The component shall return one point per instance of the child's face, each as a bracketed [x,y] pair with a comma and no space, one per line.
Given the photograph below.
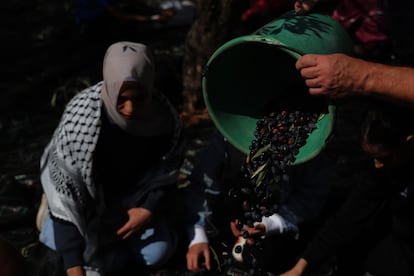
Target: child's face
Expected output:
[383,158]
[132,100]
[387,158]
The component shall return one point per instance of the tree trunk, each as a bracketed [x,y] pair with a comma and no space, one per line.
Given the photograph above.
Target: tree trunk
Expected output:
[216,22]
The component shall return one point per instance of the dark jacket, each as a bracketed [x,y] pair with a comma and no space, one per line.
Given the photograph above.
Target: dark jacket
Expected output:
[377,207]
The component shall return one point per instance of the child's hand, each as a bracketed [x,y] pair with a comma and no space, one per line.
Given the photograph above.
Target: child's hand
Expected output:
[193,257]
[138,217]
[258,230]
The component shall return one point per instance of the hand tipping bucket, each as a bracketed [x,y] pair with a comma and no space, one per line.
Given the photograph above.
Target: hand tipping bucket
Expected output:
[247,75]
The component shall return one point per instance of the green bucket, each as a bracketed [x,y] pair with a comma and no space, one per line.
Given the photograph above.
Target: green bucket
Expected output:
[247,75]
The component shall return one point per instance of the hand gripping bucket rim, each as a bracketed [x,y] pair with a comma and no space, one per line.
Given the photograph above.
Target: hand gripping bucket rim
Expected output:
[235,104]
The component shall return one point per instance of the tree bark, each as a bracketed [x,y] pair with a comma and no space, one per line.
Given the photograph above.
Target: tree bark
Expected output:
[216,22]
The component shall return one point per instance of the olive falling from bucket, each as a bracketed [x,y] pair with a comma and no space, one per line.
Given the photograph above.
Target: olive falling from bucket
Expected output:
[250,76]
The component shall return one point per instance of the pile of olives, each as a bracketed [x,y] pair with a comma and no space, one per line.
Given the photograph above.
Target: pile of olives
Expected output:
[278,138]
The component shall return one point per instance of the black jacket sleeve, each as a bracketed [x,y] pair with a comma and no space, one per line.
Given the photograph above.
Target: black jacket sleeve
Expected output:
[352,219]
[69,243]
[153,199]
[309,187]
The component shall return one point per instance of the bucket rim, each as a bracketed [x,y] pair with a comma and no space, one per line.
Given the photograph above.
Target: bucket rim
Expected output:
[329,116]
[295,53]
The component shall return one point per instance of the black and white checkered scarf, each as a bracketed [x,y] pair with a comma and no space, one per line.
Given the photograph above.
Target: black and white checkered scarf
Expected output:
[67,162]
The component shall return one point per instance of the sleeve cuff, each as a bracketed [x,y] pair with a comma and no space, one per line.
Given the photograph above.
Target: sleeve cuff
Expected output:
[72,258]
[152,200]
[274,224]
[199,236]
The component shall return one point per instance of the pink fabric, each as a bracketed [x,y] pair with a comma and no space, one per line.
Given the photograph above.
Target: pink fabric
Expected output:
[271,6]
[365,19]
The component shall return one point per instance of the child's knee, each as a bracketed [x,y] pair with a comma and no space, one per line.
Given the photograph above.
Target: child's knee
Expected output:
[157,253]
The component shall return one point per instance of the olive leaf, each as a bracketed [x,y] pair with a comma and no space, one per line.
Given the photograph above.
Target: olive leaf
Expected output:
[53,100]
[216,258]
[321,117]
[183,185]
[260,178]
[260,151]
[259,169]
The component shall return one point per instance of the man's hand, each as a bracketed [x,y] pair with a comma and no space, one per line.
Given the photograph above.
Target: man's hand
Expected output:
[298,269]
[138,217]
[193,257]
[333,75]
[304,6]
